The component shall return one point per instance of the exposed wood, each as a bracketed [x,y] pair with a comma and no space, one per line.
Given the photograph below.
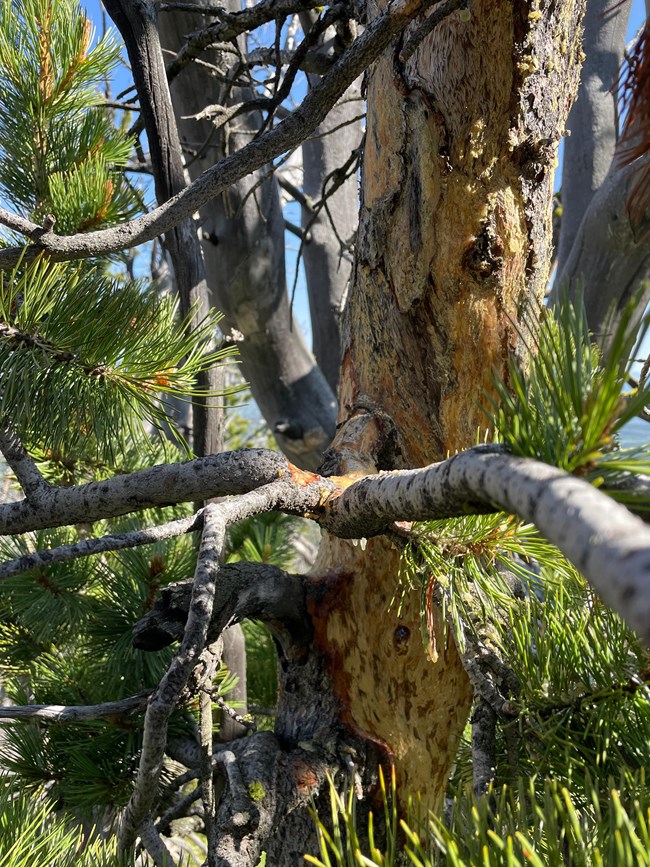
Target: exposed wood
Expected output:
[453,246]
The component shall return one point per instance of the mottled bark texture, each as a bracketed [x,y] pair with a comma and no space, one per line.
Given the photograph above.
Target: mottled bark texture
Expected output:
[453,247]
[243,245]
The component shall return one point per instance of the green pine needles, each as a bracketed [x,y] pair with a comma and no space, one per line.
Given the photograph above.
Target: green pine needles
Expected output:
[85,357]
[566,680]
[529,825]
[568,405]
[60,152]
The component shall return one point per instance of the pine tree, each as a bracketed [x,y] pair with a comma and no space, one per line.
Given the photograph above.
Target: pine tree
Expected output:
[551,769]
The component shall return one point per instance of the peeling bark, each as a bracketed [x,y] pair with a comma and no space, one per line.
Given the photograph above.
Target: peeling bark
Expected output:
[453,246]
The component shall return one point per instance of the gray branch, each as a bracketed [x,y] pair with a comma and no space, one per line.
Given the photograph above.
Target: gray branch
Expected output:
[202,478]
[137,814]
[593,120]
[23,467]
[607,544]
[89,547]
[243,235]
[77,713]
[284,137]
[605,541]
[610,258]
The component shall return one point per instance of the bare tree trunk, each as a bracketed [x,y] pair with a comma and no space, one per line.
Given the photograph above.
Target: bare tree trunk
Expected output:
[593,121]
[328,254]
[136,22]
[602,254]
[453,246]
[243,235]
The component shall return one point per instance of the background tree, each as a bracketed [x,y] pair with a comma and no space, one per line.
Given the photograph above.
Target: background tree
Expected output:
[451,260]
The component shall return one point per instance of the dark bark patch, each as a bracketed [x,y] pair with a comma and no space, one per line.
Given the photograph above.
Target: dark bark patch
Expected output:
[484,257]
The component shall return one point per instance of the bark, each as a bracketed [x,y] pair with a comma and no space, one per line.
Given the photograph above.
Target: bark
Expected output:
[593,121]
[136,23]
[609,263]
[243,243]
[453,245]
[203,478]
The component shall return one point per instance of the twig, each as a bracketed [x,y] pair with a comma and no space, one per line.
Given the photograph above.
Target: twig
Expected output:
[75,713]
[89,547]
[304,236]
[180,807]
[232,713]
[122,106]
[295,193]
[217,517]
[23,467]
[231,25]
[164,701]
[210,657]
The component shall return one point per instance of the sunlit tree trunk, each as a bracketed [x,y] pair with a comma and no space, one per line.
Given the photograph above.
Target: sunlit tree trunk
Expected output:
[453,250]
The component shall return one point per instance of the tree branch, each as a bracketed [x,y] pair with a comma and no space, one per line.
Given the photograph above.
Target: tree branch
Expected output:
[217,517]
[202,478]
[76,713]
[139,809]
[603,539]
[605,542]
[23,467]
[231,25]
[89,547]
[285,136]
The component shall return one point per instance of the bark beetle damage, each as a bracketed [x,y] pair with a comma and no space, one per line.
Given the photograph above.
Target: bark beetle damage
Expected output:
[453,244]
[389,691]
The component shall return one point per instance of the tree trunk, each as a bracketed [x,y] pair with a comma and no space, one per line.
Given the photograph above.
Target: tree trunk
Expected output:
[327,261]
[593,122]
[453,249]
[243,247]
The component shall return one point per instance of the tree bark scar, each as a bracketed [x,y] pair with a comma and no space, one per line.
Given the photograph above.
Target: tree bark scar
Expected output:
[302,477]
